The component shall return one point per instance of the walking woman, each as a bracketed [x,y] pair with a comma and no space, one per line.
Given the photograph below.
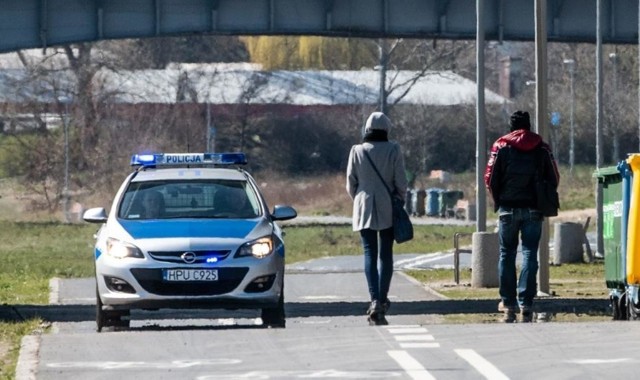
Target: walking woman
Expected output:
[372,215]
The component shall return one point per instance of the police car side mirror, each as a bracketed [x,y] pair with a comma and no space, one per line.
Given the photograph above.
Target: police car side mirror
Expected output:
[281,212]
[95,215]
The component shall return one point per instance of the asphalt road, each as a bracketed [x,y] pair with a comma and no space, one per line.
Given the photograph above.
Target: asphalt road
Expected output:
[327,336]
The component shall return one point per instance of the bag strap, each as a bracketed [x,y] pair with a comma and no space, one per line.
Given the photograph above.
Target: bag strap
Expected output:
[377,172]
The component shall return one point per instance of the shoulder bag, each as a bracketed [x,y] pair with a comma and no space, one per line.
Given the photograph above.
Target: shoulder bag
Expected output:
[547,199]
[402,227]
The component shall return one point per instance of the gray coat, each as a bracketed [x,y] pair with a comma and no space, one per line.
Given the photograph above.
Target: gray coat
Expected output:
[371,201]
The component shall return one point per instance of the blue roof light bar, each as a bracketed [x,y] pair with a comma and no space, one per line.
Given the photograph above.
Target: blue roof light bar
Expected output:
[181,159]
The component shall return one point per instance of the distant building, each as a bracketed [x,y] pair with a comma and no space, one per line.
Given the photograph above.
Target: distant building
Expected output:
[224,86]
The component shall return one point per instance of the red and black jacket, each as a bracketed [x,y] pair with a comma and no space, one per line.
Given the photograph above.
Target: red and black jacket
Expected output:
[511,169]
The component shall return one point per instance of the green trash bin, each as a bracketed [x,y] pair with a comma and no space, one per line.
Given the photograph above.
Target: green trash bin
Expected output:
[611,181]
[448,200]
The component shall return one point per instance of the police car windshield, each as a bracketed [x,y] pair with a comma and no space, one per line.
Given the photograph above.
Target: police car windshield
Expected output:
[174,199]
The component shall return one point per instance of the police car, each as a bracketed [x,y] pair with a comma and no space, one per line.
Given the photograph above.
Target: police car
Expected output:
[189,230]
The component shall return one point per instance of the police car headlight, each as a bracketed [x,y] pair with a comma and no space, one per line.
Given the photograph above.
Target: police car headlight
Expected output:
[119,249]
[258,248]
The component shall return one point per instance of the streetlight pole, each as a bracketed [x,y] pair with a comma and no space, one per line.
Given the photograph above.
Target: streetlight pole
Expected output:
[64,100]
[614,127]
[383,64]
[571,64]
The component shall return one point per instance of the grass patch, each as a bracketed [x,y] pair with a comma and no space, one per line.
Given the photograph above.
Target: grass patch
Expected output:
[580,280]
[32,253]
[312,242]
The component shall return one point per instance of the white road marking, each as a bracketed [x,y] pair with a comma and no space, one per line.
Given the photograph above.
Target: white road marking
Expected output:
[406,338]
[413,336]
[600,361]
[410,365]
[319,298]
[481,364]
[423,259]
[321,322]
[234,321]
[174,364]
[321,374]
[419,345]
[408,330]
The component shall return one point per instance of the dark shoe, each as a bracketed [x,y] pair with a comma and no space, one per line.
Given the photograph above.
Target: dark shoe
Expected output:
[501,307]
[381,320]
[374,308]
[509,313]
[509,316]
[377,319]
[375,313]
[526,315]
[386,304]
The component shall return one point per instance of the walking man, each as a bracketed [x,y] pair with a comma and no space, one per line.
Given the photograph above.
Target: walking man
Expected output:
[516,158]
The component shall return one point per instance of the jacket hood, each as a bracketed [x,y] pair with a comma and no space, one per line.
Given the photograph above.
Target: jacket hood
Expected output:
[521,139]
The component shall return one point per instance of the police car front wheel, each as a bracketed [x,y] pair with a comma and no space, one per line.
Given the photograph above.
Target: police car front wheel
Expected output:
[275,317]
[116,319]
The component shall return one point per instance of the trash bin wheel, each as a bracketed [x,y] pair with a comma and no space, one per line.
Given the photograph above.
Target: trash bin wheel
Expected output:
[619,307]
[622,306]
[634,310]
[615,307]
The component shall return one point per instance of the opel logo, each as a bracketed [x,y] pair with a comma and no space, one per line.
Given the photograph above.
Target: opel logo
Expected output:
[188,257]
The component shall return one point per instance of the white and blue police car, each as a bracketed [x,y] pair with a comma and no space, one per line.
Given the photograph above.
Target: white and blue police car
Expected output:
[189,230]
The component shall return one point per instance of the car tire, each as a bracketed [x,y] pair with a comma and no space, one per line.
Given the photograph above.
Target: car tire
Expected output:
[275,317]
[110,318]
[101,317]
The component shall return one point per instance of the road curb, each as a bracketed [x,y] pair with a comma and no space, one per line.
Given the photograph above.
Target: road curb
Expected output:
[27,365]
[420,284]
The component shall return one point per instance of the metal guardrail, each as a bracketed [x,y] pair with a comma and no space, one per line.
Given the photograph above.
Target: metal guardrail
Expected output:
[456,254]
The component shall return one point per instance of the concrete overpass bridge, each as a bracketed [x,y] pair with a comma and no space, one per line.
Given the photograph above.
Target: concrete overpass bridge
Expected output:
[42,23]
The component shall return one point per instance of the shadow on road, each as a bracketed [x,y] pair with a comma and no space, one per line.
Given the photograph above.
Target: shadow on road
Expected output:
[81,313]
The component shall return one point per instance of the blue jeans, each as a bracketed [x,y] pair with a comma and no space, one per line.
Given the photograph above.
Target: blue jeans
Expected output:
[378,244]
[527,224]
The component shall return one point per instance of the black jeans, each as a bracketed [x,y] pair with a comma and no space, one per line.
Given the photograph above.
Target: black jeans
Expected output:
[378,244]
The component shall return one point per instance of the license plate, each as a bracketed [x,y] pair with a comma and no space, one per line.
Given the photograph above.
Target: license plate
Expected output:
[190,275]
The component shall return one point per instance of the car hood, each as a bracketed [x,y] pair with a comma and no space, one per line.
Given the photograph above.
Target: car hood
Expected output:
[192,228]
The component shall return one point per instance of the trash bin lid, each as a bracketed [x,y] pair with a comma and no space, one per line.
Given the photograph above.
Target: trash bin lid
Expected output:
[609,174]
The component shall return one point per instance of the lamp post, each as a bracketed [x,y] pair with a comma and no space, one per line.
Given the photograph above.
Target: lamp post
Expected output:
[533,84]
[614,127]
[571,64]
[65,100]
